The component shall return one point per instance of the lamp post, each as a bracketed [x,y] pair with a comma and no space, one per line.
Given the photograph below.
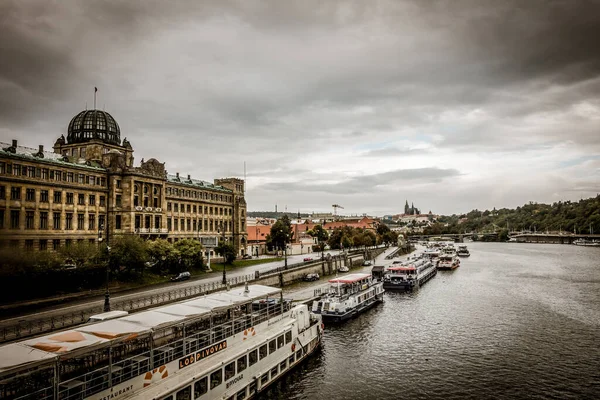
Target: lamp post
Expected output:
[107,293]
[285,250]
[220,229]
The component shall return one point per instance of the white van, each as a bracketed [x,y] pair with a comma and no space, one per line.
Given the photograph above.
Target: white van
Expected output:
[107,315]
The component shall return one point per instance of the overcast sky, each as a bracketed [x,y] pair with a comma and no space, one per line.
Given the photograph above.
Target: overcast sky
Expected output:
[453,105]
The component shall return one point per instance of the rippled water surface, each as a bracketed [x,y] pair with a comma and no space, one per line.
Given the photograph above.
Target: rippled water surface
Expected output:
[515,321]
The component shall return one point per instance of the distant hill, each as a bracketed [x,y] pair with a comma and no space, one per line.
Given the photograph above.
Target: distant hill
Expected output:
[273,214]
[582,216]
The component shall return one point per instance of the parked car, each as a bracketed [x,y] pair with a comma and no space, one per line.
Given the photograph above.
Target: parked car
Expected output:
[246,257]
[307,259]
[367,263]
[311,277]
[181,277]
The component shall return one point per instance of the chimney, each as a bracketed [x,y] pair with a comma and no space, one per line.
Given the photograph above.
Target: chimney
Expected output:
[14,143]
[41,148]
[189,177]
[177,173]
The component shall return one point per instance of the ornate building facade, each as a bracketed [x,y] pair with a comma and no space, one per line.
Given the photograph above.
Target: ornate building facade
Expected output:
[88,189]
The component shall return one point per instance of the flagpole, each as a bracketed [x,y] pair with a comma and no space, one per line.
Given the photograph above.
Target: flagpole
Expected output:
[95,90]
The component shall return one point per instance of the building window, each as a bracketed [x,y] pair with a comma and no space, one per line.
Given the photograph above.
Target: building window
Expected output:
[43,196]
[16,169]
[15,217]
[69,198]
[80,221]
[169,224]
[194,225]
[81,199]
[189,208]
[146,202]
[57,176]
[57,196]
[189,224]
[118,183]
[69,177]
[176,224]
[182,224]
[92,180]
[117,222]
[30,194]
[30,172]
[55,244]
[205,225]
[43,244]
[102,201]
[157,221]
[44,173]
[2,168]
[118,200]
[91,221]
[155,202]
[28,244]
[56,220]
[81,179]
[169,206]
[43,220]
[69,221]
[136,201]
[29,220]
[1,219]
[176,207]
[68,242]
[2,192]
[92,199]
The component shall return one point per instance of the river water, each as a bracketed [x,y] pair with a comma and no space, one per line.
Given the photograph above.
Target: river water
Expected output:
[515,321]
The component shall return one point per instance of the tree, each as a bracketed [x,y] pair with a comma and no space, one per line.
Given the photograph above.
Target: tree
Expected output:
[190,253]
[163,256]
[319,232]
[128,252]
[80,253]
[227,251]
[281,233]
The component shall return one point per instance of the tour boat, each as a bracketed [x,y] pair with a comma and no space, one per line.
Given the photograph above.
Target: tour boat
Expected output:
[217,346]
[448,262]
[463,251]
[348,296]
[585,242]
[410,276]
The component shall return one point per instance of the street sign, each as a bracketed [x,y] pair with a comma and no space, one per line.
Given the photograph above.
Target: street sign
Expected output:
[209,241]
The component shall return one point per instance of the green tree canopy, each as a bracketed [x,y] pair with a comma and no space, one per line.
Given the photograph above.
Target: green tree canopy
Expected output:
[281,233]
[227,251]
[128,253]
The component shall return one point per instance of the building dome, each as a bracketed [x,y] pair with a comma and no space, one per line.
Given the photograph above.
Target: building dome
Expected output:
[93,124]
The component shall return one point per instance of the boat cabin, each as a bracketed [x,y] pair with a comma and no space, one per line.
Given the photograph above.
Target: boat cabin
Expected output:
[349,284]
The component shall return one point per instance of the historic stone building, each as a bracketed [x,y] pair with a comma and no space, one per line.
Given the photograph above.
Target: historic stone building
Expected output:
[88,188]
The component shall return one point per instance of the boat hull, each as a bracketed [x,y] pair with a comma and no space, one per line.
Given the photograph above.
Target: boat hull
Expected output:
[447,267]
[339,318]
[410,285]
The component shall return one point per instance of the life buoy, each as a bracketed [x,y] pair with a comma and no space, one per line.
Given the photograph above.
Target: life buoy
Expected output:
[155,375]
[293,346]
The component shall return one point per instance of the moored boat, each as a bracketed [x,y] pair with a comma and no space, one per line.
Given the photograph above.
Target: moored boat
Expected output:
[409,276]
[448,262]
[222,345]
[586,242]
[463,251]
[348,296]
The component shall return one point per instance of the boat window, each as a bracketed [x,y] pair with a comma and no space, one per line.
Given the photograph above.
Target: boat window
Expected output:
[168,398]
[200,387]
[264,379]
[280,342]
[216,378]
[283,365]
[184,394]
[272,346]
[274,371]
[241,395]
[263,351]
[299,354]
[252,387]
[288,337]
[241,364]
[253,356]
[291,359]
[229,371]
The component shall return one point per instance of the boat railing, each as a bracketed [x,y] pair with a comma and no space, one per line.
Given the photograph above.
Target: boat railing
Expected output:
[105,375]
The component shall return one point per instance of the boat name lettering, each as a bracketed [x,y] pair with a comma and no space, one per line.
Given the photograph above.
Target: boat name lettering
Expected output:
[199,355]
[117,393]
[235,380]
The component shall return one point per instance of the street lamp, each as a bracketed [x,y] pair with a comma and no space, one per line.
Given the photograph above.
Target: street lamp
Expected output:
[285,249]
[220,229]
[107,293]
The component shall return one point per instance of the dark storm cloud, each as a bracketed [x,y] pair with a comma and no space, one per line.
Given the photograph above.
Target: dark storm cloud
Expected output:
[290,86]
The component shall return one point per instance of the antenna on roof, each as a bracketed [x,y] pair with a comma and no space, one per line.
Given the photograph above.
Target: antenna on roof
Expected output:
[244,186]
[86,106]
[95,91]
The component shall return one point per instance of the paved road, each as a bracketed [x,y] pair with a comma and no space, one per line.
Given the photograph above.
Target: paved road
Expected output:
[98,301]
